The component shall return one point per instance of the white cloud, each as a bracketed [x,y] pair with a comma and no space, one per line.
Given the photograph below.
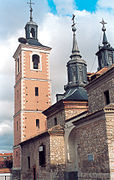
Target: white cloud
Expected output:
[6,110]
[106,4]
[5,129]
[64,7]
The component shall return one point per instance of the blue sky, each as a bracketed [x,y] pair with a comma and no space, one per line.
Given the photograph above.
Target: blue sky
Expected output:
[88,5]
[54,23]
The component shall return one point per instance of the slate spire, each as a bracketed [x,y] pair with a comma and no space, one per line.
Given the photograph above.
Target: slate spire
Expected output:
[105,42]
[75,49]
[106,52]
[77,74]
[76,66]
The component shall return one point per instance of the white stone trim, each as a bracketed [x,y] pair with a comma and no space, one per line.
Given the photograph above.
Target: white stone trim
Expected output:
[16,146]
[31,63]
[22,126]
[36,50]
[39,111]
[6,174]
[17,168]
[22,63]
[34,79]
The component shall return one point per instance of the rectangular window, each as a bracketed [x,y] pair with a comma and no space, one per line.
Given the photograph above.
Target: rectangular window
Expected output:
[107,97]
[37,123]
[28,162]
[55,121]
[18,69]
[34,173]
[36,91]
[90,157]
[17,125]
[17,94]
[42,156]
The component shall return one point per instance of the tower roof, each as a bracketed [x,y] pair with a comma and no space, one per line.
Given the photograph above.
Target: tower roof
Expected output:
[31,31]
[75,49]
[77,74]
[106,52]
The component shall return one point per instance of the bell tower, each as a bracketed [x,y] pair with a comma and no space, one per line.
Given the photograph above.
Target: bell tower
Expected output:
[32,88]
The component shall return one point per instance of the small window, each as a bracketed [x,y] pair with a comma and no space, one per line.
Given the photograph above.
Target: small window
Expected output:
[36,91]
[34,173]
[17,94]
[90,157]
[37,123]
[18,69]
[17,125]
[107,97]
[36,61]
[55,121]
[28,162]
[42,156]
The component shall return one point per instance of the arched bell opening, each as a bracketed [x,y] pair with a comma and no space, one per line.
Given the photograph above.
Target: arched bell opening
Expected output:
[36,61]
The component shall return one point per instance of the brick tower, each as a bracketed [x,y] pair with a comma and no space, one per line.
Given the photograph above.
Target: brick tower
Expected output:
[32,89]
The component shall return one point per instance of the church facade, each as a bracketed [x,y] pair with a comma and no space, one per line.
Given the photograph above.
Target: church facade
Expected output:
[74,138]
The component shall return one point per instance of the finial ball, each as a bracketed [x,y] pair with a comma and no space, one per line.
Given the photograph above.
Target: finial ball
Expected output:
[73,28]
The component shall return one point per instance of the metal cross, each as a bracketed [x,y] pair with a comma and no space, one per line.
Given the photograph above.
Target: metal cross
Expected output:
[103,23]
[30,3]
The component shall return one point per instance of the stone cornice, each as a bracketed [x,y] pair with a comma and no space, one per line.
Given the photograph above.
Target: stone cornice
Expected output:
[30,48]
[56,130]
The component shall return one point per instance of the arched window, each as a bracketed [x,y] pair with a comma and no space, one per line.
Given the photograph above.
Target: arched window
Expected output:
[36,61]
[32,33]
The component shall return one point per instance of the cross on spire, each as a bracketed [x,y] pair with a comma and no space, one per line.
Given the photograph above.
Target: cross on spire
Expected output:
[103,23]
[31,10]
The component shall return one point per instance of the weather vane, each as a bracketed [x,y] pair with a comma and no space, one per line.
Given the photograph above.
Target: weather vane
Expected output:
[103,23]
[30,3]
[73,18]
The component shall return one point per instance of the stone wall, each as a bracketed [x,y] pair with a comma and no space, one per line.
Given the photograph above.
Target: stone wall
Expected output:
[31,149]
[55,156]
[92,148]
[60,116]
[96,89]
[109,111]
[64,111]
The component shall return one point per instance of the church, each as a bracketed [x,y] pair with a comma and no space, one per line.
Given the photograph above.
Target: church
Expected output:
[72,139]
